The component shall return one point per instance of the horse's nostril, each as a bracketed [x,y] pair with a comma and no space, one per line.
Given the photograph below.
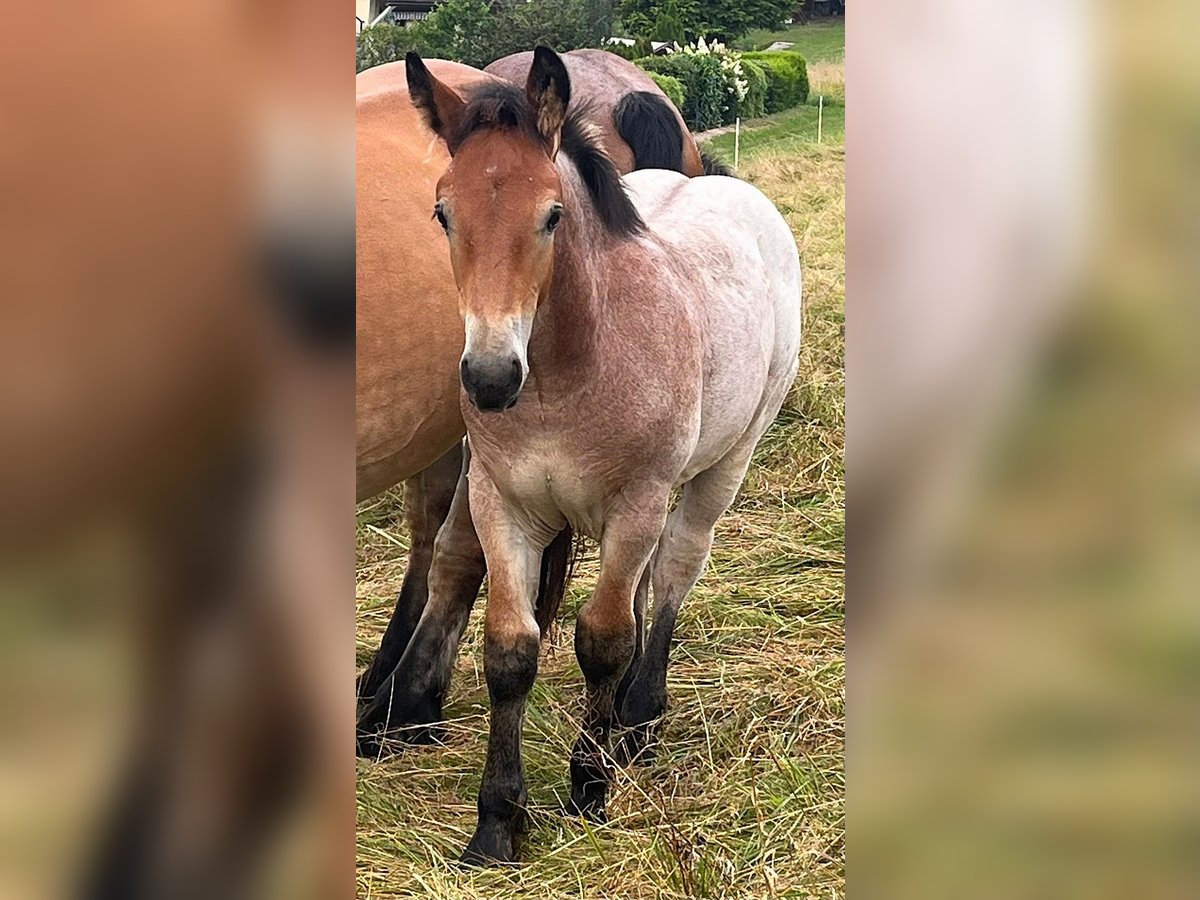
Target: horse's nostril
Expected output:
[516,369]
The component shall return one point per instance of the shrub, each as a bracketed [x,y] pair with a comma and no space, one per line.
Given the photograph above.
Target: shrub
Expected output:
[379,44]
[456,29]
[787,78]
[726,18]
[754,104]
[472,32]
[561,25]
[704,86]
[672,87]
[625,52]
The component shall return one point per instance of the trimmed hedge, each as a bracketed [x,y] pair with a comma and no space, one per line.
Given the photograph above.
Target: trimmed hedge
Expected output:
[754,104]
[787,78]
[704,85]
[672,87]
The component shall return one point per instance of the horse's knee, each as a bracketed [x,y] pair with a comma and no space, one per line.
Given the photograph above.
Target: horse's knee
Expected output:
[510,662]
[604,642]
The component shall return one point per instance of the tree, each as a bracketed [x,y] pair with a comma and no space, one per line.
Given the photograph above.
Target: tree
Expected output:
[456,29]
[559,24]
[668,26]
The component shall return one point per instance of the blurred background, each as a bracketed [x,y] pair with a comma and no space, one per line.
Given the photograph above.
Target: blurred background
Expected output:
[1024,450]
[176,450]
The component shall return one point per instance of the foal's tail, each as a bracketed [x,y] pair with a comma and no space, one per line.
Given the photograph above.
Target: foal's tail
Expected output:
[558,562]
[647,123]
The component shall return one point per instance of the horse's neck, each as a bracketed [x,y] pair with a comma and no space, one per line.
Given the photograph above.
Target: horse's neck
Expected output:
[568,325]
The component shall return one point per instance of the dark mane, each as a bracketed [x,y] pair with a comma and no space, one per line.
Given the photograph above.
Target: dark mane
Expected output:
[504,107]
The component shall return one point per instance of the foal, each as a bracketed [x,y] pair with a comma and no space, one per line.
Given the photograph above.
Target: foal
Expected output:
[615,349]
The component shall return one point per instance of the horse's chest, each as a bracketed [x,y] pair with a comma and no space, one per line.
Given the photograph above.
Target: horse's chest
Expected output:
[552,482]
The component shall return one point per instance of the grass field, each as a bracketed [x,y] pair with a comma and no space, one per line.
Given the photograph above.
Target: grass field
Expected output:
[784,133]
[823,40]
[746,798]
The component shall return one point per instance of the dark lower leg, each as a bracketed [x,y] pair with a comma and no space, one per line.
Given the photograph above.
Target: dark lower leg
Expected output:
[605,649]
[640,600]
[645,701]
[411,697]
[679,560]
[414,593]
[427,501]
[413,693]
[511,668]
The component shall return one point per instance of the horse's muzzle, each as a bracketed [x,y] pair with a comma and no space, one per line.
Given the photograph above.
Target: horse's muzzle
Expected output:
[492,383]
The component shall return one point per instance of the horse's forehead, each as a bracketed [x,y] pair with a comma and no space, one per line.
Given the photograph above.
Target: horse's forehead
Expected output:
[501,161]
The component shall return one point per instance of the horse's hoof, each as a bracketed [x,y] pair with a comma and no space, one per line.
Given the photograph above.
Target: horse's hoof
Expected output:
[377,744]
[480,854]
[412,724]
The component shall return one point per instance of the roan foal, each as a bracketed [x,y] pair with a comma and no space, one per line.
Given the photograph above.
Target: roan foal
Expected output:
[615,348]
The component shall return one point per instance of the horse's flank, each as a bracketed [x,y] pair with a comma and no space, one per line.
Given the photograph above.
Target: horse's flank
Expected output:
[409,334]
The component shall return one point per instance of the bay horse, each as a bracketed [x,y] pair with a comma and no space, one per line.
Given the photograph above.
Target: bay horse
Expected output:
[410,339]
[618,345]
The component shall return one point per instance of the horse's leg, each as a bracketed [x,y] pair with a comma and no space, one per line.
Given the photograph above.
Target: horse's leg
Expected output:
[640,599]
[682,554]
[606,640]
[427,498]
[510,657]
[413,692]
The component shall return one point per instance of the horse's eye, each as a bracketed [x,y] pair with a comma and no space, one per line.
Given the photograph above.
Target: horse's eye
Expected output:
[554,218]
[440,215]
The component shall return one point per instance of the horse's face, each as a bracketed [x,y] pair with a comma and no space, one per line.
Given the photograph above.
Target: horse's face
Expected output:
[500,202]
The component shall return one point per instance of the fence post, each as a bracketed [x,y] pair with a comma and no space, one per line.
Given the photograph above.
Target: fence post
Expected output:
[737,140]
[820,114]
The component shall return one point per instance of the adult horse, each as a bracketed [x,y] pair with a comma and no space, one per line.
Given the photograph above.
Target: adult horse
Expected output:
[409,336]
[410,339]
[617,348]
[627,107]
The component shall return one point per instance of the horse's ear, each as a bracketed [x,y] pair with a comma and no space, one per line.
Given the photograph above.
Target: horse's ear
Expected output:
[548,90]
[438,103]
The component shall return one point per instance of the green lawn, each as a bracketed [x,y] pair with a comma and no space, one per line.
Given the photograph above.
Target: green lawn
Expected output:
[821,41]
[784,132]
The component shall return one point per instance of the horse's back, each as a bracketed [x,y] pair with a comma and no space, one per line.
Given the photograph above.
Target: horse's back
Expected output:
[409,334]
[733,261]
[732,226]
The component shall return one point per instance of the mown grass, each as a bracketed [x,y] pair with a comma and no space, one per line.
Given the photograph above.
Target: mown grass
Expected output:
[746,798]
[819,40]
